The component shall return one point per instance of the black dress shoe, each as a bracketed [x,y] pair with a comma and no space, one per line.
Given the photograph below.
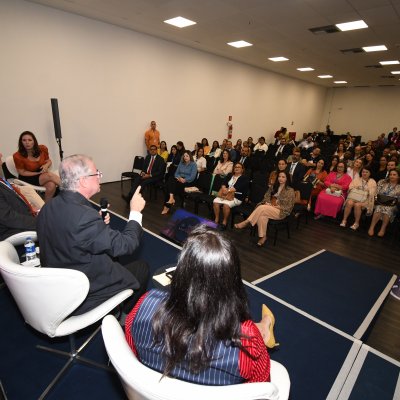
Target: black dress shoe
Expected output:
[222,227]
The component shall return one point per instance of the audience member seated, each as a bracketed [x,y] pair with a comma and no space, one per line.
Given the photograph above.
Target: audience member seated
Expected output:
[381,171]
[153,171]
[369,161]
[206,146]
[330,201]
[340,151]
[183,333]
[315,177]
[163,151]
[282,166]
[261,145]
[358,153]
[355,170]
[361,196]
[32,162]
[181,148]
[225,165]
[296,169]
[173,161]
[283,150]
[184,176]
[72,234]
[245,159]
[332,164]
[312,158]
[233,191]
[16,213]
[215,150]
[238,146]
[232,151]
[250,143]
[388,196]
[200,161]
[307,143]
[277,204]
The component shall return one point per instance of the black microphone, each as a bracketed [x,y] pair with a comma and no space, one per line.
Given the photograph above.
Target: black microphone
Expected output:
[103,207]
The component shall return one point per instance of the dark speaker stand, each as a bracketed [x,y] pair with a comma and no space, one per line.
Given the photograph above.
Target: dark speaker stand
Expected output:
[60,148]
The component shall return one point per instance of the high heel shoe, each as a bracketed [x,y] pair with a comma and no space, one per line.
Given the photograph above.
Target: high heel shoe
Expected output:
[343,224]
[354,227]
[167,207]
[271,342]
[261,241]
[242,224]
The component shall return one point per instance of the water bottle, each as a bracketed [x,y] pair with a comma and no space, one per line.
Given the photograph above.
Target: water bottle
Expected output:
[30,249]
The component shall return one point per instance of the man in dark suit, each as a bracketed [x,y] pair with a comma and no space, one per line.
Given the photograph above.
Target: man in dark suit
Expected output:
[245,159]
[153,171]
[72,234]
[296,169]
[15,213]
[283,150]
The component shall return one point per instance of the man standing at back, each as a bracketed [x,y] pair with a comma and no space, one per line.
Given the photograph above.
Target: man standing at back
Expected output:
[73,235]
[152,136]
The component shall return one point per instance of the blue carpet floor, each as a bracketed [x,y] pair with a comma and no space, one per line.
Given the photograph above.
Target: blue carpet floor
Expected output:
[317,357]
[342,292]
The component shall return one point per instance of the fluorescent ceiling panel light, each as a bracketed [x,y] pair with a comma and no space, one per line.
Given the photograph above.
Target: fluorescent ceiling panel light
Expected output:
[240,43]
[338,82]
[351,26]
[305,69]
[278,59]
[180,22]
[325,76]
[389,62]
[395,72]
[381,47]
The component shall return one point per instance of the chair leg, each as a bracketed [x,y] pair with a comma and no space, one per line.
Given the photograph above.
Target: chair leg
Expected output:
[288,230]
[73,356]
[276,235]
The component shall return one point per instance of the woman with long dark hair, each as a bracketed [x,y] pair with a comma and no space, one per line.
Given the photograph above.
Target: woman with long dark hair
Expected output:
[278,203]
[184,175]
[33,162]
[201,330]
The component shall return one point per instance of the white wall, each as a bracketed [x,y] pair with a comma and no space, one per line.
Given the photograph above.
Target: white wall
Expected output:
[110,82]
[363,111]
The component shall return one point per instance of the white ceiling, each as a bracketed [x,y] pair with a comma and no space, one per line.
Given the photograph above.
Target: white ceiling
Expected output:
[274,27]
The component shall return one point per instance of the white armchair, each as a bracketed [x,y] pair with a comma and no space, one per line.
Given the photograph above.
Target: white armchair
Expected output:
[47,296]
[143,383]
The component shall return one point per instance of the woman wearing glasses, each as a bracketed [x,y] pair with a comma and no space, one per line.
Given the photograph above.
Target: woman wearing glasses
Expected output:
[33,163]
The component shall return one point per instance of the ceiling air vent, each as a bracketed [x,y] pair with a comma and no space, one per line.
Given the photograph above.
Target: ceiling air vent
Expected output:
[322,30]
[385,85]
[355,50]
[388,76]
[374,66]
[362,86]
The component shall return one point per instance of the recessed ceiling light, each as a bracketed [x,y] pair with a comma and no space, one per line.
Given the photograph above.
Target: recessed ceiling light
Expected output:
[180,22]
[240,43]
[395,72]
[277,59]
[305,69]
[338,82]
[350,26]
[389,62]
[381,47]
[325,76]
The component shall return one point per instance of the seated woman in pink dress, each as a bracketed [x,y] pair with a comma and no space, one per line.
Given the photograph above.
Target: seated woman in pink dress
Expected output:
[330,200]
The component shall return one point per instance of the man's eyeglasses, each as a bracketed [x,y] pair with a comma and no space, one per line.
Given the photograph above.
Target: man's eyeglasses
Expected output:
[98,173]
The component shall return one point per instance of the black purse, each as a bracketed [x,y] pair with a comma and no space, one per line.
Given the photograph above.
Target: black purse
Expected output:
[384,200]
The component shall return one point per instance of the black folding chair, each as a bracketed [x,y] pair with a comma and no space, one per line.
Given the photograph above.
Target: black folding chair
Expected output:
[137,167]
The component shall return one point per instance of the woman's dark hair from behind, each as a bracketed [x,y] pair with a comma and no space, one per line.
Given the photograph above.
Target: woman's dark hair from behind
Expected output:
[207,302]
[21,148]
[288,183]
